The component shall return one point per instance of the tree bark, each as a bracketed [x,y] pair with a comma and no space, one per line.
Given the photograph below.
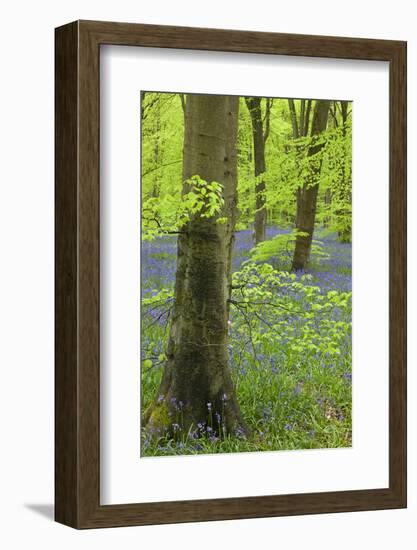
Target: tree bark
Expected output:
[196,387]
[299,129]
[157,152]
[294,121]
[306,211]
[345,234]
[255,111]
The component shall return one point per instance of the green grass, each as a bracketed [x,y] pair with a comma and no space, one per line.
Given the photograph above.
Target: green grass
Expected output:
[302,402]
[305,405]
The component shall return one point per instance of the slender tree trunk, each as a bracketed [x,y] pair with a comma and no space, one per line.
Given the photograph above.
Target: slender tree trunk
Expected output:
[197,386]
[182,98]
[299,129]
[344,105]
[296,135]
[254,107]
[327,201]
[294,121]
[157,151]
[308,199]
[345,234]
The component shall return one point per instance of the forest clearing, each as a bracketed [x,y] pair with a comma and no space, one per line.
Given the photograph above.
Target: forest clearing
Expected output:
[246,262]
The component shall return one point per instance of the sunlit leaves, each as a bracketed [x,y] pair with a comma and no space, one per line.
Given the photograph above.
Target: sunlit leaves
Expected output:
[288,167]
[280,248]
[276,307]
[169,214]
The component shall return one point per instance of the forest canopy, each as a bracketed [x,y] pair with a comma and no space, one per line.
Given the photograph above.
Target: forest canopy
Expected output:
[286,141]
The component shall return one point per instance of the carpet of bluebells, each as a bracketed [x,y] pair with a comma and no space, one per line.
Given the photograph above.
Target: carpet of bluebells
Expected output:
[292,377]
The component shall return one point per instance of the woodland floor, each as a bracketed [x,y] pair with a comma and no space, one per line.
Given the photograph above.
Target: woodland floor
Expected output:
[289,400]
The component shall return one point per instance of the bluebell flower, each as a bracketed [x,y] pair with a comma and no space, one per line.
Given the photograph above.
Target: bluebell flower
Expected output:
[240,432]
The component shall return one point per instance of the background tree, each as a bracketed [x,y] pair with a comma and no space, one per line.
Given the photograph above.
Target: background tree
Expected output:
[196,381]
[260,131]
[344,193]
[308,199]
[300,128]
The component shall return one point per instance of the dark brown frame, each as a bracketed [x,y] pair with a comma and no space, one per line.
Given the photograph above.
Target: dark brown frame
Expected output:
[77,373]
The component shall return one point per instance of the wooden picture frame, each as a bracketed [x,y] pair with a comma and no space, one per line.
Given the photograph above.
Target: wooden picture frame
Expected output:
[77,374]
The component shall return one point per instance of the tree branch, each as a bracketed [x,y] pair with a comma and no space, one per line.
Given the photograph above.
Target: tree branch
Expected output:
[159,167]
[158,223]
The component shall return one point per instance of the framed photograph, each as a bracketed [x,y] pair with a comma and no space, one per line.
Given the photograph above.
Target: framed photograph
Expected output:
[230,274]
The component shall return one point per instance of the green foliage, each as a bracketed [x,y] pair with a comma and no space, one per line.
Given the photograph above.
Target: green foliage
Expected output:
[335,206]
[290,358]
[280,249]
[204,199]
[267,299]
[288,166]
[169,214]
[290,347]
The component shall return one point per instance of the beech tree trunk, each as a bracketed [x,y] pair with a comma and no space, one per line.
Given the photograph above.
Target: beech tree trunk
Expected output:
[255,111]
[345,235]
[197,387]
[306,211]
[299,129]
[157,160]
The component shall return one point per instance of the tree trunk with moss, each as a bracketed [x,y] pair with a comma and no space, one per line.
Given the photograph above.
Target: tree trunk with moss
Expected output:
[306,211]
[196,390]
